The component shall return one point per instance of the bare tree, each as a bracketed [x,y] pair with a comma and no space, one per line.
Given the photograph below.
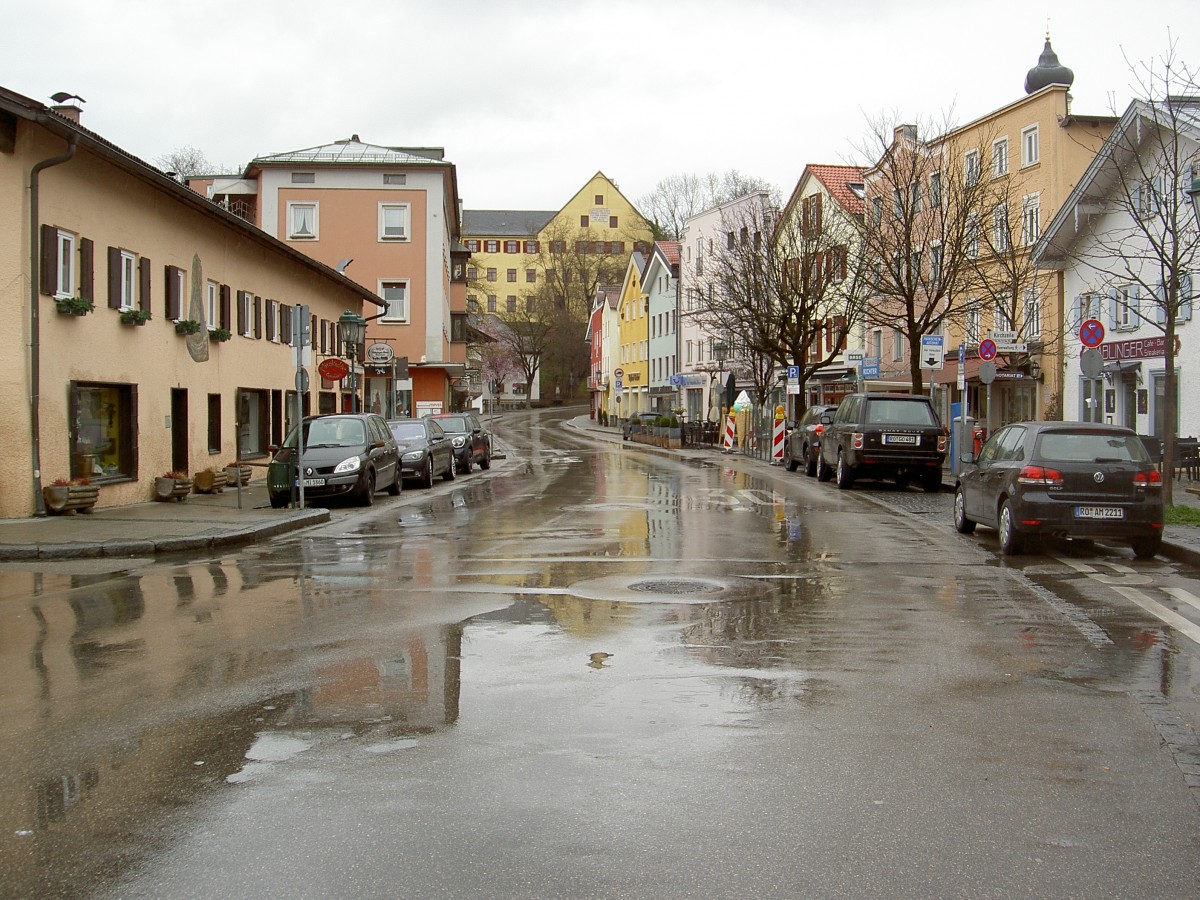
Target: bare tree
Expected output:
[1135,226]
[926,203]
[187,161]
[677,198]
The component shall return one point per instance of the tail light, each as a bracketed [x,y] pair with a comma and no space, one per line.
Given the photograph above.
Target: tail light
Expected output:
[942,443]
[817,431]
[1151,479]
[1041,476]
[857,440]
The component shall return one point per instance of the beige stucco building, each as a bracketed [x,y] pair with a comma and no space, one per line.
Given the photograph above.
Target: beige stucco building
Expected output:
[101,394]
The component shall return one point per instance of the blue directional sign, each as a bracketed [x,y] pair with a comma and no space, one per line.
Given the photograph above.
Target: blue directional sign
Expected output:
[870,367]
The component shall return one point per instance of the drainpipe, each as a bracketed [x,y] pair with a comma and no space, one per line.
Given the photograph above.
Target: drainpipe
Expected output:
[35,347]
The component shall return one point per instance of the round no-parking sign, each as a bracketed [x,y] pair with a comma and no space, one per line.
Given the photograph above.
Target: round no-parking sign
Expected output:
[987,349]
[1091,333]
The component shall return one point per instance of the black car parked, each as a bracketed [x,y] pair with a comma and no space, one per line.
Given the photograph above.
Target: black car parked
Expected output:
[344,455]
[883,436]
[425,449]
[804,441]
[471,441]
[1067,479]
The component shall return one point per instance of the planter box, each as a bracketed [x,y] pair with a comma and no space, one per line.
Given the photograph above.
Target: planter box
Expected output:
[70,498]
[209,482]
[232,474]
[171,488]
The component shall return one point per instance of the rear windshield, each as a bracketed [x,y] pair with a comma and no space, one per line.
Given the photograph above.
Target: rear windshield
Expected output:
[1091,446]
[900,412]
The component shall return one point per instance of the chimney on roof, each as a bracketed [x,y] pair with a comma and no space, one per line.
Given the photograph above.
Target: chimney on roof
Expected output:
[904,131]
[65,108]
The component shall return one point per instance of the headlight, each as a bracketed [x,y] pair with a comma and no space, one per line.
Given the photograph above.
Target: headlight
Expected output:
[415,455]
[353,464]
[458,441]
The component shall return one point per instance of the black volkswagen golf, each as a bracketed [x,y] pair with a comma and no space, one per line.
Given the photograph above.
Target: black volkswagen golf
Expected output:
[1066,479]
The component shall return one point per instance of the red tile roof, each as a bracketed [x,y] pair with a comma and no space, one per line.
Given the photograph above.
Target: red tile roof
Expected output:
[837,180]
[670,250]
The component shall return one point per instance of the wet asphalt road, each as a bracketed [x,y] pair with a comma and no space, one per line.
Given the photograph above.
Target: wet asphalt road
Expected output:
[599,672]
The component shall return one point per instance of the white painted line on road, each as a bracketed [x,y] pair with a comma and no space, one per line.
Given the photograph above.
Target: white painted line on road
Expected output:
[1184,626]
[1184,596]
[1082,568]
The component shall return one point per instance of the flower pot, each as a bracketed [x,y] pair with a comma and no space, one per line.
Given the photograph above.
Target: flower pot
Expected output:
[209,482]
[171,488]
[234,473]
[70,498]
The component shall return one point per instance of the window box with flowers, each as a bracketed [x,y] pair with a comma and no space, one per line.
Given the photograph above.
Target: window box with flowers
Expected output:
[187,326]
[135,316]
[219,334]
[74,306]
[64,497]
[172,486]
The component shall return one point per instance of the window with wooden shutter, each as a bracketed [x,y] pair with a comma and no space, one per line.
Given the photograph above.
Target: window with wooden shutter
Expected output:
[243,313]
[223,321]
[174,293]
[285,324]
[114,278]
[272,318]
[257,317]
[49,255]
[144,284]
[87,271]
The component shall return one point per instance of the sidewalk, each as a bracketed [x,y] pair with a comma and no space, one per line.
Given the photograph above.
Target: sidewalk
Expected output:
[1180,542]
[201,522]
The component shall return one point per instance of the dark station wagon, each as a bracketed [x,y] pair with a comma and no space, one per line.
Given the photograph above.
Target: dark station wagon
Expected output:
[1065,479]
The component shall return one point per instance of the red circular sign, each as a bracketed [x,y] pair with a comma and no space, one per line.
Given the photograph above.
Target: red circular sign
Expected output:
[1091,333]
[987,349]
[333,369]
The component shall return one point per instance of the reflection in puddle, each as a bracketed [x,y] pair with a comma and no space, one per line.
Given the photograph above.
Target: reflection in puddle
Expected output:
[269,747]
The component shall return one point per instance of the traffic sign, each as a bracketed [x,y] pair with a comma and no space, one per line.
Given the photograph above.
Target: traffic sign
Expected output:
[987,349]
[870,367]
[987,372]
[932,351]
[618,374]
[1091,362]
[793,373]
[1091,333]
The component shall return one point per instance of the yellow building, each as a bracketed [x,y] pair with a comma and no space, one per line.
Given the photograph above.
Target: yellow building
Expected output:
[519,256]
[633,342]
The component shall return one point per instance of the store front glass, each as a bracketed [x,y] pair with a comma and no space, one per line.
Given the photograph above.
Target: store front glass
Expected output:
[103,423]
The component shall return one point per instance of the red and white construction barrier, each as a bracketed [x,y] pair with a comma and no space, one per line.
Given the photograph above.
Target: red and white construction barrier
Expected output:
[777,441]
[730,428]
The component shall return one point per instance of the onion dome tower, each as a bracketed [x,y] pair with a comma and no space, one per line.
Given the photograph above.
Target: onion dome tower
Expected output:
[1048,71]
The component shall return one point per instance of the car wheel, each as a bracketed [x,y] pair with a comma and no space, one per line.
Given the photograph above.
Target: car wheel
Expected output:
[932,483]
[451,466]
[427,475]
[1011,540]
[367,497]
[395,487]
[278,501]
[1146,547]
[962,524]
[810,463]
[845,477]
[824,473]
[789,462]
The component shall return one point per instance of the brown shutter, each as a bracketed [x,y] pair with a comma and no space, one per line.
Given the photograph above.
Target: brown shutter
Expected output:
[272,318]
[144,285]
[114,278]
[257,317]
[174,300]
[49,250]
[87,269]
[223,321]
[243,307]
[285,323]
[312,333]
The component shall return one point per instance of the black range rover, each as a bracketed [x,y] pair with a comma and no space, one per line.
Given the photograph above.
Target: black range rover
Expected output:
[883,436]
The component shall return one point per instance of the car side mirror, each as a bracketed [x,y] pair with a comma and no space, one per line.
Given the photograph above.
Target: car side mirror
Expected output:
[826,420]
[378,445]
[967,457]
[272,449]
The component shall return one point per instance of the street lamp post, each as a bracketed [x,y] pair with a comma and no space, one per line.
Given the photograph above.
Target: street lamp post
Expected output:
[720,353]
[352,328]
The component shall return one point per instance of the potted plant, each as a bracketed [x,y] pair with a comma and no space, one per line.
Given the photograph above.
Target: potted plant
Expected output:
[135,316]
[65,497]
[218,334]
[172,486]
[235,473]
[209,481]
[674,433]
[73,306]
[187,326]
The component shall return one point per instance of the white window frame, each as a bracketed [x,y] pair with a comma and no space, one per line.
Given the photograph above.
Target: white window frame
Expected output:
[973,227]
[387,283]
[129,280]
[897,344]
[1000,317]
[297,206]
[66,276]
[1031,227]
[972,325]
[1031,151]
[181,279]
[406,229]
[1123,317]
[246,307]
[211,307]
[1033,313]
[1000,157]
[971,171]
[935,190]
[1000,228]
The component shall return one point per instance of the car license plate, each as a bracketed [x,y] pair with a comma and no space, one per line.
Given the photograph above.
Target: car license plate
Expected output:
[1099,512]
[900,438]
[312,482]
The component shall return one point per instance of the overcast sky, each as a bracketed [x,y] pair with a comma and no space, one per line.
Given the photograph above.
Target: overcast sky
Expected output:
[530,99]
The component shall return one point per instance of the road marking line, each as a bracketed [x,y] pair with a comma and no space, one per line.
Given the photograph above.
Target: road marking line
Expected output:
[1184,626]
[1184,596]
[1082,568]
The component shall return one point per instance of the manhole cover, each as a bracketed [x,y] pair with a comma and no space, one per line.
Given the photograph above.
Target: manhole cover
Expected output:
[675,586]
